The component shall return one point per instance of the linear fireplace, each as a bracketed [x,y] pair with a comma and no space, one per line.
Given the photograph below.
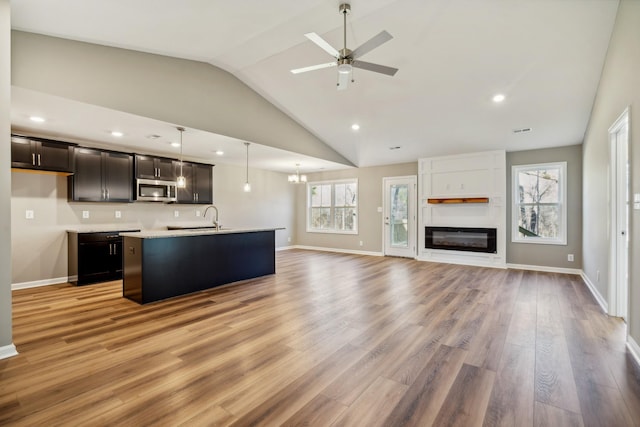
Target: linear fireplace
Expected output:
[461,239]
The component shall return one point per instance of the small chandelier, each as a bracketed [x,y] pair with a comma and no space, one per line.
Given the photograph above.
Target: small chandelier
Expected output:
[296,178]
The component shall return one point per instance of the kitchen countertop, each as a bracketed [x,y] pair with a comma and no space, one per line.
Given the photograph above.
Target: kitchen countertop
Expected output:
[155,234]
[105,229]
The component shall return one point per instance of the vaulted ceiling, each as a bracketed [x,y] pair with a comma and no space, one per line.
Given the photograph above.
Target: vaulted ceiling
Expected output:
[453,56]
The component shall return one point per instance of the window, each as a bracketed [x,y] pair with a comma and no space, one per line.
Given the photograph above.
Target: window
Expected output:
[539,213]
[332,207]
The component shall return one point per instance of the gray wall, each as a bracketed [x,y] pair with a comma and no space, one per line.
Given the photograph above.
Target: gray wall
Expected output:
[550,255]
[618,89]
[190,93]
[39,245]
[5,174]
[369,199]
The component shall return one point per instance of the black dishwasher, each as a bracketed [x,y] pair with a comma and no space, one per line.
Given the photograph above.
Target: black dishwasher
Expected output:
[95,257]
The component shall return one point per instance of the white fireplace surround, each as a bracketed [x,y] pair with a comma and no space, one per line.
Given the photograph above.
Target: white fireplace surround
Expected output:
[465,176]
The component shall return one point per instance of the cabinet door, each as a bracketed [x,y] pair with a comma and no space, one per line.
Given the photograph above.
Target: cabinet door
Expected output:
[55,156]
[118,175]
[87,180]
[94,261]
[185,195]
[116,259]
[145,167]
[23,153]
[204,184]
[165,169]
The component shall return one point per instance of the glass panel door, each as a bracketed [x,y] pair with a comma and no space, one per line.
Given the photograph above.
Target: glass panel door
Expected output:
[400,201]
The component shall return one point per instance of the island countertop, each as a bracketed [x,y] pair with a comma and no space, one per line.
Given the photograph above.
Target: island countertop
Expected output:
[155,234]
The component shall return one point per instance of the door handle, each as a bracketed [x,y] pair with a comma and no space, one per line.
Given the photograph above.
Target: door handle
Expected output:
[622,232]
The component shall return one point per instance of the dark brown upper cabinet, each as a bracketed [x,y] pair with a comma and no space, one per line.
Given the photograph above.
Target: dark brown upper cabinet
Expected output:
[150,167]
[102,176]
[41,154]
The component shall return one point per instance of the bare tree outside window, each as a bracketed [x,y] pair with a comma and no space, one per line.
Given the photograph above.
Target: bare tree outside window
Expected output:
[538,203]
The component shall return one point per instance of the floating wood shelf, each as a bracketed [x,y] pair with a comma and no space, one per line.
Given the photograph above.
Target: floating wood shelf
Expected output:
[447,200]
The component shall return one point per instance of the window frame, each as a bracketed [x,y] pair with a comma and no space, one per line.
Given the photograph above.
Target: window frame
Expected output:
[332,230]
[562,204]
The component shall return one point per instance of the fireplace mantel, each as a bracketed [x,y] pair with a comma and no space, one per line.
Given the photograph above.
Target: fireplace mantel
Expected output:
[457,200]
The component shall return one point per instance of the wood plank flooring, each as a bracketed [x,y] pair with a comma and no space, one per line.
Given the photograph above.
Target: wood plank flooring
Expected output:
[330,340]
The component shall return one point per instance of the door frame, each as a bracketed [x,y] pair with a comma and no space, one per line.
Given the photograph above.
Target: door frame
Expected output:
[618,257]
[412,226]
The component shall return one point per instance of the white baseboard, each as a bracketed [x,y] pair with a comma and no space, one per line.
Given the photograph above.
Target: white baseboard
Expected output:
[544,268]
[37,283]
[594,291]
[338,250]
[634,349]
[284,248]
[8,351]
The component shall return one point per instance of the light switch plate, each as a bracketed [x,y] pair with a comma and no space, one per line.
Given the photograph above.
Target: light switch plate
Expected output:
[176,214]
[29,214]
[85,214]
[636,206]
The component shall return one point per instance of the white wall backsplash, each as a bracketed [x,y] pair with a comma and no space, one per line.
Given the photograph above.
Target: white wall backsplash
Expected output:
[466,175]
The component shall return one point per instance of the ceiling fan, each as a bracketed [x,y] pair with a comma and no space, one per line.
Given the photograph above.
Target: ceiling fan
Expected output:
[346,59]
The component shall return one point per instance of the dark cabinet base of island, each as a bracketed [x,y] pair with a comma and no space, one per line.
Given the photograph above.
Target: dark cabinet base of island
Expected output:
[165,267]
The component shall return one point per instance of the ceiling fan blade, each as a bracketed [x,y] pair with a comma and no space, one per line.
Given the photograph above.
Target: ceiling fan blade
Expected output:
[313,67]
[371,44]
[322,44]
[343,80]
[382,69]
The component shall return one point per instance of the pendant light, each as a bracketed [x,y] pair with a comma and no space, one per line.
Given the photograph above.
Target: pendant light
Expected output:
[181,180]
[247,186]
[297,178]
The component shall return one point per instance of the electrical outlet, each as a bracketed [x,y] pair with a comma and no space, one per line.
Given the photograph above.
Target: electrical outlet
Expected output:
[570,257]
[289,239]
[598,276]
[85,214]
[29,214]
[176,214]
[361,243]
[197,213]
[118,214]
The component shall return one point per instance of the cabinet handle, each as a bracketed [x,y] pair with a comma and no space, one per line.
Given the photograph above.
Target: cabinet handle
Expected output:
[107,191]
[39,160]
[33,159]
[104,193]
[110,249]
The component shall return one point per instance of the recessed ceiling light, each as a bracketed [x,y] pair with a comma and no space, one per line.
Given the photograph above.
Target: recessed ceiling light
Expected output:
[116,133]
[498,98]
[355,126]
[37,119]
[175,144]
[219,152]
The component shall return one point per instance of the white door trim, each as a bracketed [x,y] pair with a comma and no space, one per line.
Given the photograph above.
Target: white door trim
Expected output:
[618,279]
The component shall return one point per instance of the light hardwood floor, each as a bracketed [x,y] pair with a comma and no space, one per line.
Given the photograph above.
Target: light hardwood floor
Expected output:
[330,340]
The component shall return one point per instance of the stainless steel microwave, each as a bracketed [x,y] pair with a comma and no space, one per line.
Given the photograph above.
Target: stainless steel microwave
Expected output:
[152,190]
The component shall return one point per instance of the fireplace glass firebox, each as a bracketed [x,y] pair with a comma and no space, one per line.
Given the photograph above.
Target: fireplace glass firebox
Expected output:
[461,239]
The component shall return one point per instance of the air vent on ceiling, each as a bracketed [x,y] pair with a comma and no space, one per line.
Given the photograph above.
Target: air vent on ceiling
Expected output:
[522,130]
[397,147]
[154,136]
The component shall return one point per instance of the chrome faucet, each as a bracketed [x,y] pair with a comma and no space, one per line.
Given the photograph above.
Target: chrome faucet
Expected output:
[216,225]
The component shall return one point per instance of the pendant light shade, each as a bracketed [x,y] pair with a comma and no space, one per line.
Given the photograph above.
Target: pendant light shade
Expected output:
[247,186]
[296,178]
[181,181]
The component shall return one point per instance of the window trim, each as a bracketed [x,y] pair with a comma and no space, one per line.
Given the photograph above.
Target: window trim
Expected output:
[515,206]
[333,183]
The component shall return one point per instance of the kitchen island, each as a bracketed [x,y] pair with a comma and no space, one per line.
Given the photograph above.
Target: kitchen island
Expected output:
[167,263]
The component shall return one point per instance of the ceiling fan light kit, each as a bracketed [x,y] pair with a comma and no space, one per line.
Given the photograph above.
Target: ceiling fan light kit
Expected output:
[346,59]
